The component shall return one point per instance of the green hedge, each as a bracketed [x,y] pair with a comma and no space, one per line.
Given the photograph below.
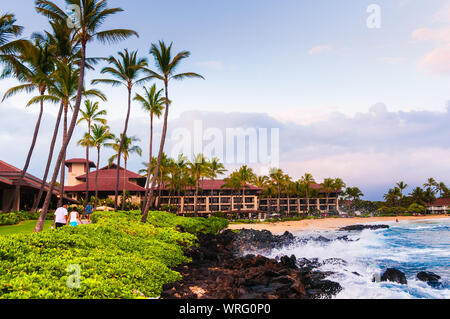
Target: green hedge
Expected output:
[119,257]
[17,217]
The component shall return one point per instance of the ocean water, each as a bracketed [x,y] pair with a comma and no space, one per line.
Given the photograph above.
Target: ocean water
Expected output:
[410,246]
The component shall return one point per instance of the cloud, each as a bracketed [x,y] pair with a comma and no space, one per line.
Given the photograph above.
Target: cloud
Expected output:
[320,49]
[437,61]
[443,15]
[392,60]
[213,65]
[441,35]
[372,150]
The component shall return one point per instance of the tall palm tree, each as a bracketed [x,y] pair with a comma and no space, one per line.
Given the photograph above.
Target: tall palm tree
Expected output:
[307,180]
[431,182]
[63,88]
[32,66]
[91,114]
[166,71]
[99,137]
[328,187]
[402,186]
[93,13]
[8,31]
[278,179]
[125,71]
[215,168]
[246,176]
[127,149]
[153,103]
[442,188]
[198,169]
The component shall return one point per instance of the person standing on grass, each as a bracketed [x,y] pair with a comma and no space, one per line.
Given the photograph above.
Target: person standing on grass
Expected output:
[74,219]
[61,217]
[89,210]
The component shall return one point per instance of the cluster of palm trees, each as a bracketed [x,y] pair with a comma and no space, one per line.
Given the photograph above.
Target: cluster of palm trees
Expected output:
[177,175]
[426,194]
[54,64]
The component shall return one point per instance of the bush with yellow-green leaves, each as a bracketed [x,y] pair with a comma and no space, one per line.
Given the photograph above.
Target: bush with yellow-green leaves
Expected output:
[117,256]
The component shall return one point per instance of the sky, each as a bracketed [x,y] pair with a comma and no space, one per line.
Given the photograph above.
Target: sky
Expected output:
[369,105]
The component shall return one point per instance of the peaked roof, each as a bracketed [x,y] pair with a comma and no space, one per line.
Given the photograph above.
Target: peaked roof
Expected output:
[79,161]
[105,185]
[10,175]
[111,172]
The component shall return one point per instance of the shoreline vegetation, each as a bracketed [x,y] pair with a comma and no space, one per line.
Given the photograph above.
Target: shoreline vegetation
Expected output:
[325,223]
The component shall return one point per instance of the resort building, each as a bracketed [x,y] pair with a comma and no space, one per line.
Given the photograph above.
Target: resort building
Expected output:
[107,177]
[440,206]
[212,197]
[29,189]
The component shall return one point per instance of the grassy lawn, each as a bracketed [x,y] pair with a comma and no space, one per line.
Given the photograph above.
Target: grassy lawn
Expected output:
[23,228]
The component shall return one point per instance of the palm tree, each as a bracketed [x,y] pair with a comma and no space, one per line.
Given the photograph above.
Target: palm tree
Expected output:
[233,182]
[198,169]
[125,71]
[278,179]
[307,180]
[32,66]
[91,114]
[93,14]
[166,66]
[127,149]
[402,186]
[328,187]
[431,182]
[246,176]
[63,88]
[99,137]
[215,168]
[442,188]
[8,30]
[153,103]
[353,193]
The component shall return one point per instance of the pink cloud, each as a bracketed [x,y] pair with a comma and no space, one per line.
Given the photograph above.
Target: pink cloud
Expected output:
[427,34]
[320,49]
[437,61]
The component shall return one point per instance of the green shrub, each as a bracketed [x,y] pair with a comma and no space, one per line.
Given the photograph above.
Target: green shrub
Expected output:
[17,217]
[119,257]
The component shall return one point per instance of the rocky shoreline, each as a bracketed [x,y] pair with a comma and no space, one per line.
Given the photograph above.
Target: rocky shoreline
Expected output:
[220,269]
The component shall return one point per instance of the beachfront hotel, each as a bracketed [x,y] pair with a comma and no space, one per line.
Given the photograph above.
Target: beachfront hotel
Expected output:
[213,196]
[30,186]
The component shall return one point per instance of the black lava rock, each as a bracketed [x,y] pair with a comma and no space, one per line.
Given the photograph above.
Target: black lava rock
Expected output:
[394,275]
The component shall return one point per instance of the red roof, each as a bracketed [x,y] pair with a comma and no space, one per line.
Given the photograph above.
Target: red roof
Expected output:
[440,202]
[80,161]
[105,185]
[111,172]
[10,175]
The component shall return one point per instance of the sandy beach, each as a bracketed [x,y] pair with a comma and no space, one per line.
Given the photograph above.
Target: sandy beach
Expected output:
[326,224]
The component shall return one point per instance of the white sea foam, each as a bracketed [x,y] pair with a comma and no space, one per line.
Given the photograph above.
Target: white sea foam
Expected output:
[372,252]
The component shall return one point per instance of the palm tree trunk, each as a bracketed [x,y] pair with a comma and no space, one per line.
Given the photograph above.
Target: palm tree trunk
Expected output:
[88,169]
[30,153]
[124,189]
[161,150]
[149,173]
[40,223]
[161,185]
[121,147]
[49,160]
[96,179]
[196,198]
[63,163]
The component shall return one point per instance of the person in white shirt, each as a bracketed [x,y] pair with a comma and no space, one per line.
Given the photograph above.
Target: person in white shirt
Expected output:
[74,218]
[61,217]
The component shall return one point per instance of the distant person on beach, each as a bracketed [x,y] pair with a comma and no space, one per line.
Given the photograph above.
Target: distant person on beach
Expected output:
[61,217]
[74,219]
[88,210]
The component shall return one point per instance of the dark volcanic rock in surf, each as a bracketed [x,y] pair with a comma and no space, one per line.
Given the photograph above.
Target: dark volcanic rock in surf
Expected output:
[253,240]
[394,275]
[363,227]
[217,273]
[428,276]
